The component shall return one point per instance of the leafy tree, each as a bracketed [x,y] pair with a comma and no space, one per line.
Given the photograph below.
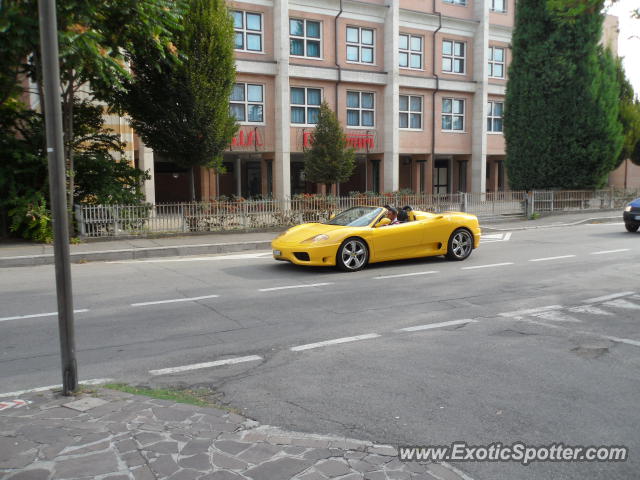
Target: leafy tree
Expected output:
[95,42]
[561,113]
[629,117]
[179,103]
[329,160]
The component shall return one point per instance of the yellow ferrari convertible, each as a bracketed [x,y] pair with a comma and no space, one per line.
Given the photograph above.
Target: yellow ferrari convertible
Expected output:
[362,235]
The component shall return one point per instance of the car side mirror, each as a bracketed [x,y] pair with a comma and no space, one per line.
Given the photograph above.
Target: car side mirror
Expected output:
[332,216]
[383,222]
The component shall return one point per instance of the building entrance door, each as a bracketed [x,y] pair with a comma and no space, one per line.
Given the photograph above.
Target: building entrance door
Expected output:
[253,180]
[441,176]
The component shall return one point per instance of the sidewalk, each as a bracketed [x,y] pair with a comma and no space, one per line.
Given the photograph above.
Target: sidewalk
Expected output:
[17,254]
[114,435]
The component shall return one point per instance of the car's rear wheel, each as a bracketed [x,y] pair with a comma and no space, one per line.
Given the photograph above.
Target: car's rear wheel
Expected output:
[353,255]
[632,227]
[460,244]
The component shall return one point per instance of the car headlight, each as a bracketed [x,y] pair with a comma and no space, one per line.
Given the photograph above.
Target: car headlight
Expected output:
[317,238]
[627,208]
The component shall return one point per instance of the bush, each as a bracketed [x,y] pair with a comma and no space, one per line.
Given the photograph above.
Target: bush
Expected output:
[32,220]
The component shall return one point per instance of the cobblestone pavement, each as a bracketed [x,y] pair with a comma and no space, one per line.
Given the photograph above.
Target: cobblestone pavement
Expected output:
[114,435]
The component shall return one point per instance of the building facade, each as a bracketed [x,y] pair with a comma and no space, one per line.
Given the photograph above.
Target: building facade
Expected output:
[417,85]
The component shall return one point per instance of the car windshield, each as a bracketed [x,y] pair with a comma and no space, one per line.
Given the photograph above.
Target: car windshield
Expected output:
[356,217]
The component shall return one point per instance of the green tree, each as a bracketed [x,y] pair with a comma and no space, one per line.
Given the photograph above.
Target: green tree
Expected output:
[95,42]
[629,117]
[561,113]
[329,160]
[179,104]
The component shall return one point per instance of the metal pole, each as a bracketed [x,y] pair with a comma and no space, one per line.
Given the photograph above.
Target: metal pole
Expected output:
[55,154]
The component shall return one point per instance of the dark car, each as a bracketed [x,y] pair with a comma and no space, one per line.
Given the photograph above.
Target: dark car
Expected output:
[631,215]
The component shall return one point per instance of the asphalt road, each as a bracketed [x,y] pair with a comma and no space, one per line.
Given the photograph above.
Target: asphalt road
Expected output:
[534,338]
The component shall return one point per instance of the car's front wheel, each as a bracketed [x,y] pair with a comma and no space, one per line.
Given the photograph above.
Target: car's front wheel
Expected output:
[460,245]
[353,255]
[632,227]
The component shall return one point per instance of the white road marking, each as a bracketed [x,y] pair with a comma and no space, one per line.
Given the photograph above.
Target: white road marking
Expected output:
[589,309]
[404,275]
[190,299]
[488,266]
[555,316]
[430,326]
[495,237]
[335,341]
[241,256]
[608,297]
[611,251]
[530,311]
[620,303]
[37,315]
[95,381]
[198,366]
[551,258]
[624,340]
[295,286]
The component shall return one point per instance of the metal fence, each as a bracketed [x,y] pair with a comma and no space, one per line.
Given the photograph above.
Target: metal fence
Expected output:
[138,220]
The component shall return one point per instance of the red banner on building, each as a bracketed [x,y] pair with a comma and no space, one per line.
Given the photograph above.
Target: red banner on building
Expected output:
[249,138]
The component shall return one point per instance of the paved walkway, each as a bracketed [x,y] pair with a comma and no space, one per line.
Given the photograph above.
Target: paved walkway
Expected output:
[16,253]
[113,435]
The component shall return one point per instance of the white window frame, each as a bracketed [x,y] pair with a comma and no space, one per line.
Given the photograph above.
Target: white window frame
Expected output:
[244,31]
[410,52]
[493,6]
[453,57]
[359,45]
[306,106]
[493,63]
[360,109]
[491,118]
[246,103]
[454,115]
[306,39]
[410,112]
[460,3]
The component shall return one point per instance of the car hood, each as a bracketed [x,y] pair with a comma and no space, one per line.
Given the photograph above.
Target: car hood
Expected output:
[303,232]
[635,203]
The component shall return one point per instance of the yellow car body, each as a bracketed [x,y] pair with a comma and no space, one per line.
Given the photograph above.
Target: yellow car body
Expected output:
[426,234]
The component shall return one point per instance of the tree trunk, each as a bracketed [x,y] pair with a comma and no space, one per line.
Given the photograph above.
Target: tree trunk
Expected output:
[192,184]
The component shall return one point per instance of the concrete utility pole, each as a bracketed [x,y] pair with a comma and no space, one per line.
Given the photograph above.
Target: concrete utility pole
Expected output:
[55,154]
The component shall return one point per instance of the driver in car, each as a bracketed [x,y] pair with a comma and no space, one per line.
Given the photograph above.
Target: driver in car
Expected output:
[392,214]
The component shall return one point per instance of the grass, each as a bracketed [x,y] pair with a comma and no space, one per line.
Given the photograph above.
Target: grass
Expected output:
[200,397]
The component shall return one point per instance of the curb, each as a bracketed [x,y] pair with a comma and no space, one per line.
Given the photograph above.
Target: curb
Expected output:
[554,225]
[137,253]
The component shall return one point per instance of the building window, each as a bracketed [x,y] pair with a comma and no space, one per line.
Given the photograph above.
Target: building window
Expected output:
[456,2]
[248,31]
[305,105]
[360,45]
[494,117]
[453,114]
[410,51]
[410,112]
[360,109]
[496,62]
[247,103]
[304,38]
[453,56]
[499,6]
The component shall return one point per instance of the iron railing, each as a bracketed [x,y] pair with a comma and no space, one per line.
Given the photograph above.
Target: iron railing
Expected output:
[175,218]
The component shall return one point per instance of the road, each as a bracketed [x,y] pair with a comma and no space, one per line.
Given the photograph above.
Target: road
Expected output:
[534,338]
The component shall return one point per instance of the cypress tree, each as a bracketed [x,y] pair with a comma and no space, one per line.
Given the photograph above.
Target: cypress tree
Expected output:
[329,160]
[561,114]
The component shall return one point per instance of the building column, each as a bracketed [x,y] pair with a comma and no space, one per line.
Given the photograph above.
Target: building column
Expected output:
[238,169]
[391,124]
[145,159]
[479,114]
[282,157]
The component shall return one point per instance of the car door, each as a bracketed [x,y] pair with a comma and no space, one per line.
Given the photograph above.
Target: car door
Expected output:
[396,241]
[435,234]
